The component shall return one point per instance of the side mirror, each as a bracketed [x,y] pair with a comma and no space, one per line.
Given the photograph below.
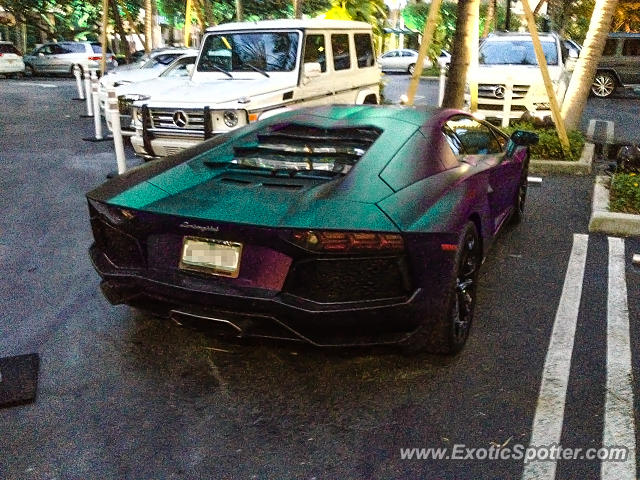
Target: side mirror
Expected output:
[190,68]
[41,54]
[521,138]
[312,69]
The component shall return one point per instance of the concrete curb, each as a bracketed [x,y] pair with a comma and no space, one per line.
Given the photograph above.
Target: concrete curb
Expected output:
[604,221]
[562,167]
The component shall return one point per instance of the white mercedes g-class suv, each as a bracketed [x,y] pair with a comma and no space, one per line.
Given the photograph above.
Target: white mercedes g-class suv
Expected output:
[508,57]
[252,70]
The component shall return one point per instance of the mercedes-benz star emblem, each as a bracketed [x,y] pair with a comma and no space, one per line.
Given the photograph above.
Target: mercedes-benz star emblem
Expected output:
[180,119]
[499,91]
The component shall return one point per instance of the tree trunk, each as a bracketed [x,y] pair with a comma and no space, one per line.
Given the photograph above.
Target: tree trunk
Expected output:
[239,11]
[208,13]
[148,26]
[124,43]
[297,8]
[576,98]
[461,54]
[488,21]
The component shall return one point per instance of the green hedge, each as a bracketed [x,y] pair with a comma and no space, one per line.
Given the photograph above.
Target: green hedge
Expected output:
[625,193]
[549,147]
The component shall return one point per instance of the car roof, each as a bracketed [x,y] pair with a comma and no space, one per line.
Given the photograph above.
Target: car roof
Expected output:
[507,35]
[624,35]
[292,24]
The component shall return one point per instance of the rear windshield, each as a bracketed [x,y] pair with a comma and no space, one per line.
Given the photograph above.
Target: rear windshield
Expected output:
[515,52]
[9,48]
[292,148]
[161,60]
[97,48]
[247,51]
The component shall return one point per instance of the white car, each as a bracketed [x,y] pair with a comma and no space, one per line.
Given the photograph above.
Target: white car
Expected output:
[252,70]
[62,57]
[172,77]
[404,60]
[152,68]
[10,59]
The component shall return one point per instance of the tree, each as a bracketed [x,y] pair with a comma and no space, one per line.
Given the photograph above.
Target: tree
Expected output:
[489,17]
[461,54]
[580,85]
[627,16]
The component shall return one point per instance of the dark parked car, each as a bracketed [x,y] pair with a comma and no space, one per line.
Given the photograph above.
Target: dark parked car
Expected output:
[333,225]
[619,65]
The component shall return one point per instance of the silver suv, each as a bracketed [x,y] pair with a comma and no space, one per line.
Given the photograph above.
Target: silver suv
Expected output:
[619,65]
[61,57]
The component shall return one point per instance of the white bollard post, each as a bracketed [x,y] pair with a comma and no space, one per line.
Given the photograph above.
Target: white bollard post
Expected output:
[78,74]
[443,80]
[87,88]
[114,112]
[506,109]
[97,120]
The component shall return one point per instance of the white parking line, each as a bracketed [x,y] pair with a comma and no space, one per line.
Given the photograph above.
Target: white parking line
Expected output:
[619,424]
[547,423]
[33,84]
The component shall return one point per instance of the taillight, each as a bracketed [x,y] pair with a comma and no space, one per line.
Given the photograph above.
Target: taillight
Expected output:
[95,59]
[1,54]
[327,241]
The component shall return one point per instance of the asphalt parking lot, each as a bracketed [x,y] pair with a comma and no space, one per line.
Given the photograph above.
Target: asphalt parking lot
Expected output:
[126,396]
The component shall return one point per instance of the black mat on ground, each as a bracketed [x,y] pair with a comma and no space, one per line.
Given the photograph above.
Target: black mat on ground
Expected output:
[19,380]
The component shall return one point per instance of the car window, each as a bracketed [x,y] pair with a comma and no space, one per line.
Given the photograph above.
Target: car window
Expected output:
[72,47]
[515,52]
[610,47]
[364,50]
[631,47]
[390,54]
[46,50]
[341,53]
[269,51]
[179,69]
[9,48]
[315,51]
[453,141]
[407,54]
[476,138]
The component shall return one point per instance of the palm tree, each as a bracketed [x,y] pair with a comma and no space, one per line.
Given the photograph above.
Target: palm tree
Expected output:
[239,11]
[148,27]
[461,53]
[580,85]
[489,19]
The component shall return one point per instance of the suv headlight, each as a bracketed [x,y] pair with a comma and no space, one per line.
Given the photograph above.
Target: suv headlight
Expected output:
[230,118]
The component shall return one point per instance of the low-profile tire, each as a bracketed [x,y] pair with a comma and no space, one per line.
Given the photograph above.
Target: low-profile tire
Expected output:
[449,332]
[604,85]
[29,71]
[411,68]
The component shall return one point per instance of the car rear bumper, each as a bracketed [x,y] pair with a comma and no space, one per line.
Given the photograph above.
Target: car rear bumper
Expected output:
[264,313]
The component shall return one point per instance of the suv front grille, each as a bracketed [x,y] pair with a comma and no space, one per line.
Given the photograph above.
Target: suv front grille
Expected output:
[188,121]
[497,91]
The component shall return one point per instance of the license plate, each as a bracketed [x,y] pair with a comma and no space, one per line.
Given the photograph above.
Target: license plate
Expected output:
[216,257]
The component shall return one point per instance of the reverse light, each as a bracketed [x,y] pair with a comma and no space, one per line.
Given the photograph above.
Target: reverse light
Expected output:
[328,241]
